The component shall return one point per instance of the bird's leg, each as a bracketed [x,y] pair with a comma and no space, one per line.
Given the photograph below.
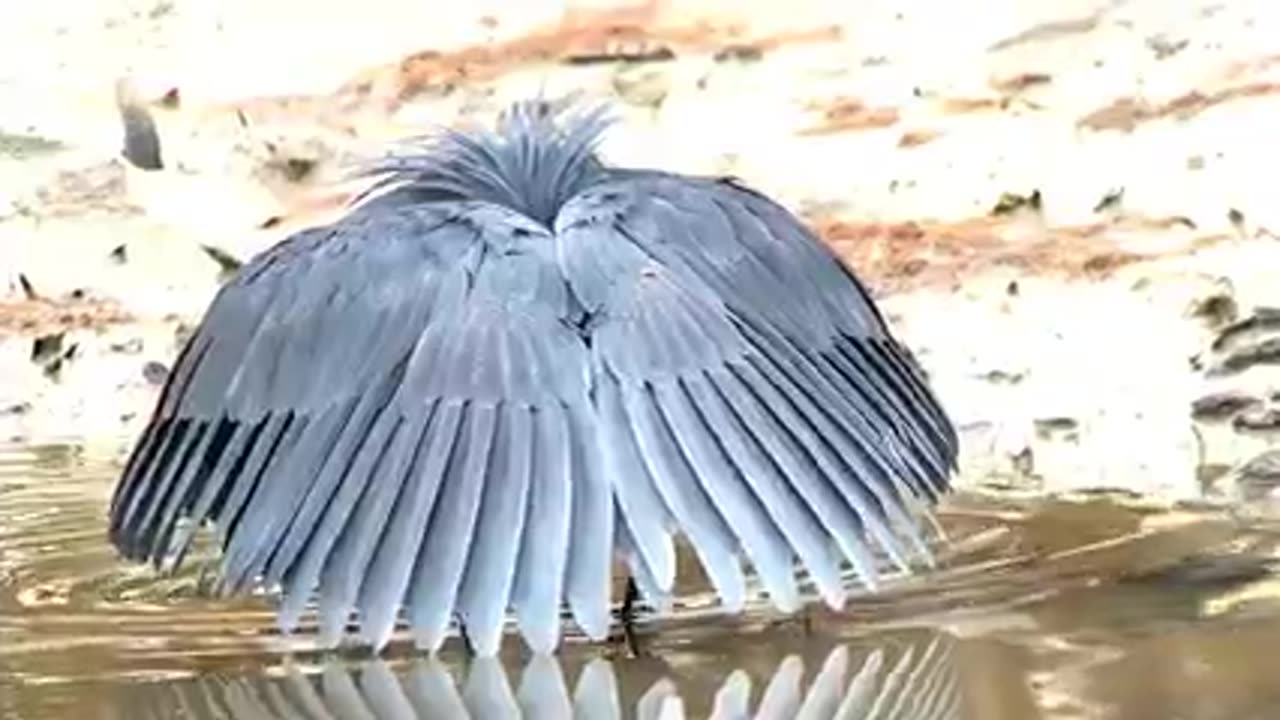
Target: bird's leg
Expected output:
[627,615]
[205,581]
[466,639]
[801,619]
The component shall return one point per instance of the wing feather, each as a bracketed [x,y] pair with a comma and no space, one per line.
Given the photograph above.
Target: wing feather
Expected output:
[722,479]
[297,483]
[713,542]
[752,367]
[228,509]
[378,469]
[239,548]
[216,483]
[797,520]
[262,514]
[830,449]
[590,555]
[185,493]
[907,462]
[486,587]
[433,438]
[175,455]
[450,531]
[169,487]
[315,523]
[843,407]
[335,417]
[643,510]
[810,266]
[333,490]
[133,474]
[137,486]
[779,429]
[642,338]
[647,585]
[909,428]
[544,548]
[747,249]
[897,362]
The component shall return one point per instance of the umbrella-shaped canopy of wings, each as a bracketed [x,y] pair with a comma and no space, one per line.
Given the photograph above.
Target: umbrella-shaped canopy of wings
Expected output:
[512,361]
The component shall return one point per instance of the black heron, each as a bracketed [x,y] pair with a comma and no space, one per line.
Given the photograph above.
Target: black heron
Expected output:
[510,363]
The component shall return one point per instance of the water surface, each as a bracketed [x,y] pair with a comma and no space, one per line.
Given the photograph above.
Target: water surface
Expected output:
[1040,610]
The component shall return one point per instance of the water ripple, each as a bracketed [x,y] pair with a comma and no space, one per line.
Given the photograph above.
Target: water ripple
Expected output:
[1038,609]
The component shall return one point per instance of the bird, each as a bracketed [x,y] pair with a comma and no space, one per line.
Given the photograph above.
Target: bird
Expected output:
[511,363]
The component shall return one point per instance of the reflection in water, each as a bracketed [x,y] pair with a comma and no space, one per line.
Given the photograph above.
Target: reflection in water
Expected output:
[1039,610]
[915,682]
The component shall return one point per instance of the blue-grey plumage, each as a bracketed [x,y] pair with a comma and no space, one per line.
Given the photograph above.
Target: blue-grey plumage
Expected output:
[510,362]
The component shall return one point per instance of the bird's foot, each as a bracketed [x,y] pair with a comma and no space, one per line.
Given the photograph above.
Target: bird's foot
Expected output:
[801,620]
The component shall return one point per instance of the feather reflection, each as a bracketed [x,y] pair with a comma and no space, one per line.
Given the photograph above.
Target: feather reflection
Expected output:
[900,682]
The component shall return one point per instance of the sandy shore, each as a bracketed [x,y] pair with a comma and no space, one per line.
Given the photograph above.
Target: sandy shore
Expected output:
[1067,210]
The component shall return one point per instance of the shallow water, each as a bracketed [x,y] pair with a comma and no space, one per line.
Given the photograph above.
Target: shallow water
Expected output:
[1039,610]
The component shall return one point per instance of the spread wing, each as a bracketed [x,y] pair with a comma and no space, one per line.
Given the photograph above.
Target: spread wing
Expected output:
[395,411]
[747,390]
[447,409]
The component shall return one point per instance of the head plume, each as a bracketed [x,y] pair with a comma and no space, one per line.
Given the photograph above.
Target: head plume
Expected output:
[541,153]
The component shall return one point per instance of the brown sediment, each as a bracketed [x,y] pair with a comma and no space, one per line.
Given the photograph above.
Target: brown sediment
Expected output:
[901,256]
[849,114]
[1125,114]
[966,105]
[638,31]
[40,316]
[1019,82]
[916,138]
